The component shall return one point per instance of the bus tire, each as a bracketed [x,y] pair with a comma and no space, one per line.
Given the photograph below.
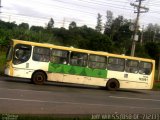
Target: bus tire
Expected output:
[113,84]
[39,77]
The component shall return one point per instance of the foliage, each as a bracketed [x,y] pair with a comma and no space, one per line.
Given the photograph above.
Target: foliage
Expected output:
[141,51]
[152,33]
[156,86]
[153,50]
[37,28]
[72,25]
[118,31]
[115,39]
[50,24]
[109,22]
[24,26]
[45,117]
[99,23]
[2,62]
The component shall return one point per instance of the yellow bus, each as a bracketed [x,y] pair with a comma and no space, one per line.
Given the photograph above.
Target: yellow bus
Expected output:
[46,62]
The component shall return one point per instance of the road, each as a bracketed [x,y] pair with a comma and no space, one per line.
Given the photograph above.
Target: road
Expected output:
[19,96]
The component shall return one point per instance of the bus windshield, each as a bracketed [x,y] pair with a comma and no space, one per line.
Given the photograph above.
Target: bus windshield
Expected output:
[22,53]
[9,53]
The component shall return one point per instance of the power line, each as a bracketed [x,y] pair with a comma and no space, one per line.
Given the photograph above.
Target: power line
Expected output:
[84,12]
[62,7]
[104,1]
[81,11]
[115,6]
[105,4]
[46,19]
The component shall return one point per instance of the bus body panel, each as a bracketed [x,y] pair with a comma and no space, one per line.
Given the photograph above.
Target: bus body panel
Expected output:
[25,70]
[7,71]
[133,85]
[59,77]
[131,80]
[77,70]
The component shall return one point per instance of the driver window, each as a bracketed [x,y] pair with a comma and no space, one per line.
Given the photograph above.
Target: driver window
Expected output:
[22,53]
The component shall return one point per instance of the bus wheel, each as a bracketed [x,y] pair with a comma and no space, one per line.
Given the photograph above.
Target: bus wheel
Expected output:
[39,78]
[112,84]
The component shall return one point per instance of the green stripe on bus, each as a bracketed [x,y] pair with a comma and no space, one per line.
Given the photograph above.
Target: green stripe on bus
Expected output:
[77,70]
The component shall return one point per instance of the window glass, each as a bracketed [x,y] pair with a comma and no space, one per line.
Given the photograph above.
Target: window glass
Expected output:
[132,66]
[59,56]
[41,54]
[116,64]
[145,68]
[96,61]
[9,53]
[22,53]
[78,59]
[97,58]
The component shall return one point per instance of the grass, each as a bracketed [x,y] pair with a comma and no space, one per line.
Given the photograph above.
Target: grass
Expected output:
[44,117]
[2,61]
[156,86]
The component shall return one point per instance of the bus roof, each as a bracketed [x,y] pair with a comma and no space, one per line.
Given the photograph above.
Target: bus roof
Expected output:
[80,50]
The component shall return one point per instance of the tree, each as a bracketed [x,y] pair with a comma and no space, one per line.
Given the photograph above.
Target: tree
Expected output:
[72,25]
[152,33]
[50,24]
[24,26]
[117,23]
[36,28]
[7,25]
[99,23]
[118,31]
[153,50]
[108,24]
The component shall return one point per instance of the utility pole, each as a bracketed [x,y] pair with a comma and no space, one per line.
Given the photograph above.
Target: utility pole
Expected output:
[136,26]
[63,24]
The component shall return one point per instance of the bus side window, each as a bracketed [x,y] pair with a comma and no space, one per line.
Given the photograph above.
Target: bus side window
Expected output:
[41,54]
[78,59]
[97,62]
[59,56]
[116,64]
[145,68]
[132,66]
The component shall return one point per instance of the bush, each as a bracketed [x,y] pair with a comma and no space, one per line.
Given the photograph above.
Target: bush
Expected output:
[2,61]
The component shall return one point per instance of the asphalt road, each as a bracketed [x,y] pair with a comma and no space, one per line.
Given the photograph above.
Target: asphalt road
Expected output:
[19,96]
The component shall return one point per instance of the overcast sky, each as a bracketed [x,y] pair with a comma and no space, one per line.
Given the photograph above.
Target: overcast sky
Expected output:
[38,12]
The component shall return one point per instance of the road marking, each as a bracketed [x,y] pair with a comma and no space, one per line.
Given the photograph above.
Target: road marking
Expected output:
[75,103]
[155,100]
[24,90]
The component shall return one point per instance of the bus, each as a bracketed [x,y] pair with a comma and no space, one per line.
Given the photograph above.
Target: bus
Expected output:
[42,62]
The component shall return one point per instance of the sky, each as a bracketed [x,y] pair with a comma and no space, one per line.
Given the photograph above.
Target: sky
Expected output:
[83,12]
